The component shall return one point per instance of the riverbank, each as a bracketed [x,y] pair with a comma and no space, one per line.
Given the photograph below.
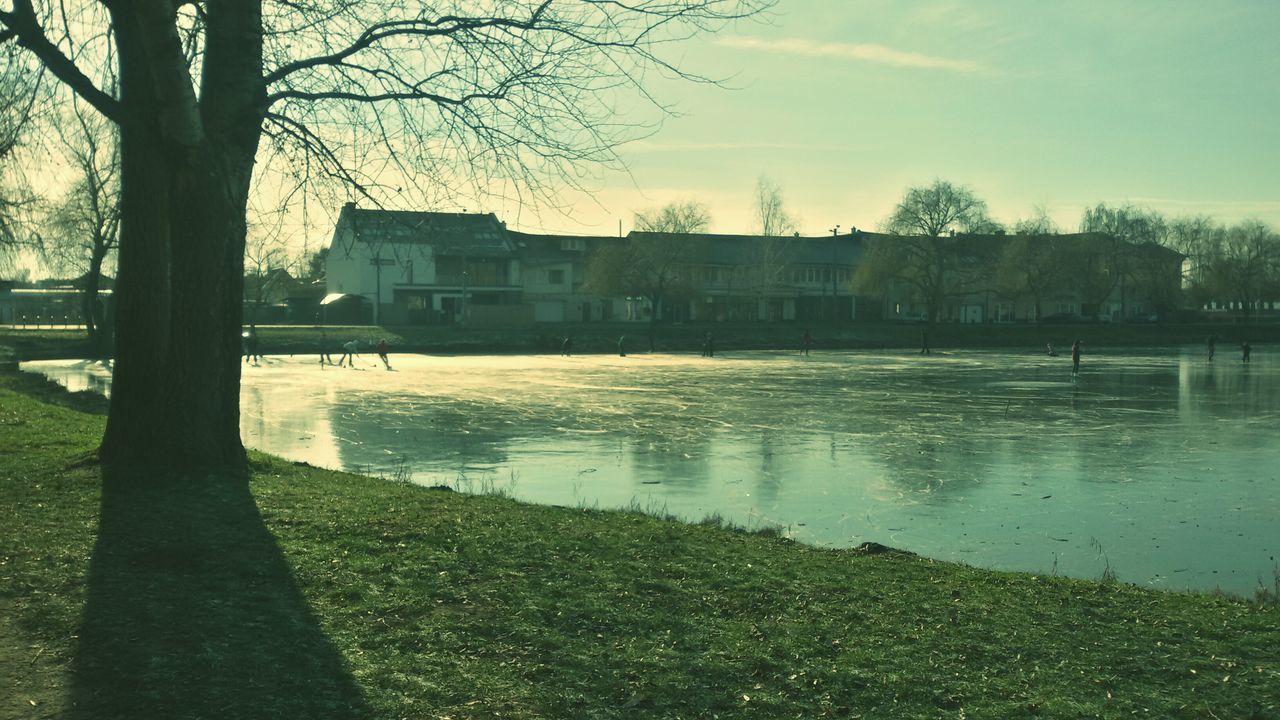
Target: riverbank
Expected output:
[600,337]
[310,593]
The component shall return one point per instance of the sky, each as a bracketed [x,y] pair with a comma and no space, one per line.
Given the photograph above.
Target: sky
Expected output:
[1171,105]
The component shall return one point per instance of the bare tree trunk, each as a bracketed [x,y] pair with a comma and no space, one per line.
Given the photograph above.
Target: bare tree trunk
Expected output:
[92,301]
[202,378]
[141,296]
[87,299]
[184,189]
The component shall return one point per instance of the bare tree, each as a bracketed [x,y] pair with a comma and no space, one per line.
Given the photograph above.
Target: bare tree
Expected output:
[1120,232]
[931,248]
[1248,269]
[1039,223]
[1031,266]
[84,225]
[1200,240]
[18,92]
[937,210]
[655,261]
[373,94]
[265,253]
[776,228]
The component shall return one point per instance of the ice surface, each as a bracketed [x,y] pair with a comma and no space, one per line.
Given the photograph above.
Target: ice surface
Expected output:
[1159,465]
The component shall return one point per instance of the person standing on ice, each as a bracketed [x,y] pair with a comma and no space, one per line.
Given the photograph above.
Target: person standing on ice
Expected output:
[349,351]
[324,349]
[1075,358]
[250,341]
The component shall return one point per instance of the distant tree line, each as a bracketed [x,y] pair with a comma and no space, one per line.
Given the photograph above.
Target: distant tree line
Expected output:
[939,248]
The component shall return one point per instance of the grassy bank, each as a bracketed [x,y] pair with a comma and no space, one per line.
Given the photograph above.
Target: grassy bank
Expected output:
[603,337]
[308,593]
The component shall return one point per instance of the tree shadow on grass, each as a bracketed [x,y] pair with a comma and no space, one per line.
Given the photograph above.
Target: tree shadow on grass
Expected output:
[192,611]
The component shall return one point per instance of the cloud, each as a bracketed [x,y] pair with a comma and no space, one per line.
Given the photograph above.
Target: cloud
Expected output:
[864,52]
[644,146]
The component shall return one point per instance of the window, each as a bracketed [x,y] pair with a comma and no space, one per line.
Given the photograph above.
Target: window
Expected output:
[573,244]
[555,277]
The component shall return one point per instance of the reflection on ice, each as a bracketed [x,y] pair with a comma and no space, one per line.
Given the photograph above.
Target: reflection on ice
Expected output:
[1160,465]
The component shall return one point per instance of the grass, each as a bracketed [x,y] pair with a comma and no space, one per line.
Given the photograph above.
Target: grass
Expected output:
[308,593]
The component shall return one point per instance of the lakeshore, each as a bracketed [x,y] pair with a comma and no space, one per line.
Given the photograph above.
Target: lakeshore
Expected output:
[312,592]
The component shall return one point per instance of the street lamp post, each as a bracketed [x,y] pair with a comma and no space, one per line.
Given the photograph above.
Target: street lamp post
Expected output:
[377,262]
[835,231]
[465,276]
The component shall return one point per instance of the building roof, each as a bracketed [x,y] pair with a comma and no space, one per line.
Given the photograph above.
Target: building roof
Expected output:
[482,234]
[449,233]
[740,249]
[555,248]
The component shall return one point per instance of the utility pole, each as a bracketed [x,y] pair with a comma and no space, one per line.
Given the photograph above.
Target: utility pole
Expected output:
[835,232]
[462,316]
[378,261]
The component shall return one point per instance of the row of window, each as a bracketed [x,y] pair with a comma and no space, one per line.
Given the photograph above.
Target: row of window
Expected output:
[720,275]
[740,274]
[1234,305]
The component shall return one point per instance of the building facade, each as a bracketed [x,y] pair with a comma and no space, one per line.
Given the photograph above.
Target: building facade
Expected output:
[391,267]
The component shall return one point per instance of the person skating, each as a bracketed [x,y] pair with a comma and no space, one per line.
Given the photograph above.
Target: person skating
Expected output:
[349,351]
[382,352]
[324,349]
[250,342]
[1075,358]
[806,342]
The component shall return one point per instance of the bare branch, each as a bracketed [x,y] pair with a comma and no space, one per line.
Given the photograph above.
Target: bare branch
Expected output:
[23,25]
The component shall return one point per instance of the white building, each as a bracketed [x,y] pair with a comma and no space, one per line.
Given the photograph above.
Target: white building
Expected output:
[417,267]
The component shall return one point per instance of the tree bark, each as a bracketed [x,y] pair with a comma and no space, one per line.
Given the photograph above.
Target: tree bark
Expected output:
[141,296]
[185,175]
[202,378]
[208,206]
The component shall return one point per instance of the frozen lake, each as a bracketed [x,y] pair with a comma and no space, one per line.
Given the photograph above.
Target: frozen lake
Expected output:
[1159,465]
